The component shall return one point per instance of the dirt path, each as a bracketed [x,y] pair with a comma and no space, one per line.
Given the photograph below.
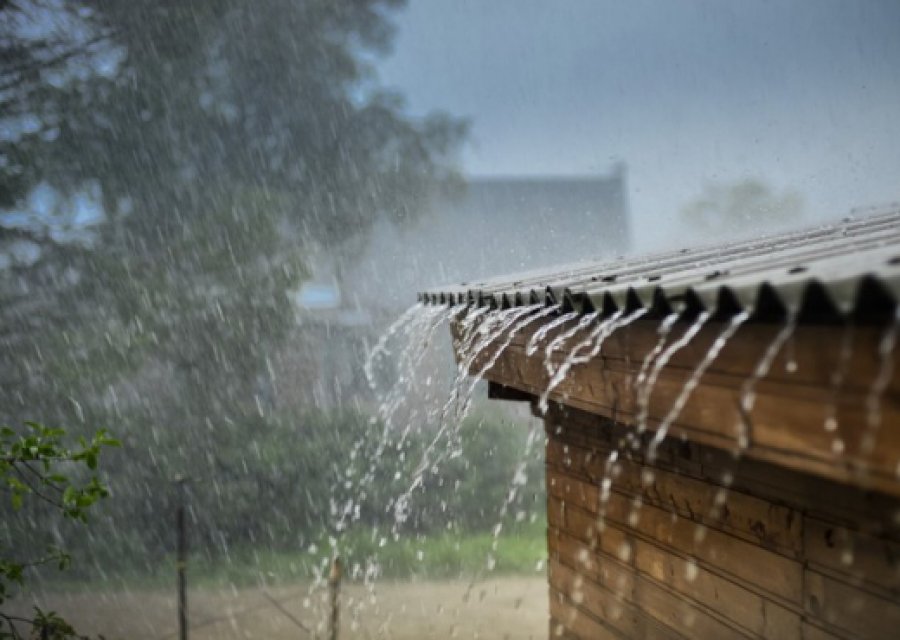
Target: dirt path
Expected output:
[510,608]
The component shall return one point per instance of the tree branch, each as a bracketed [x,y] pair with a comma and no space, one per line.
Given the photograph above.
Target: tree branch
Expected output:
[31,487]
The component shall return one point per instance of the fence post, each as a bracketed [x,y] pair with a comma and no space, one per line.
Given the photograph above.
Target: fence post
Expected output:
[334,588]
[181,561]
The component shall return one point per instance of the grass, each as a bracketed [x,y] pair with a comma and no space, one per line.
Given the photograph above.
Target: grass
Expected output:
[522,550]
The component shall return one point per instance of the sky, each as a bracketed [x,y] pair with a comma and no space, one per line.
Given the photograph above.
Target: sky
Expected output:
[802,95]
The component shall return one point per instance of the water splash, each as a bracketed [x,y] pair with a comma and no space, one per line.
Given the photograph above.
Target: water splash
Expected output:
[745,405]
[631,438]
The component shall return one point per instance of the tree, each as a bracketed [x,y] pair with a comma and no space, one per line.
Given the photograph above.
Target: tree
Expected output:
[221,140]
[729,209]
[37,464]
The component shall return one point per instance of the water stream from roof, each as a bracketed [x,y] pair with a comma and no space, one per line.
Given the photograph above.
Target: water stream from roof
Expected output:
[529,316]
[484,329]
[542,333]
[583,355]
[412,332]
[632,438]
[558,343]
[418,339]
[747,399]
[838,378]
[646,390]
[879,385]
[693,381]
[744,426]
[596,338]
[482,336]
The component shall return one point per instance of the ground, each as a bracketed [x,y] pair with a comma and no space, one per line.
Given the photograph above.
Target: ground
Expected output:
[504,608]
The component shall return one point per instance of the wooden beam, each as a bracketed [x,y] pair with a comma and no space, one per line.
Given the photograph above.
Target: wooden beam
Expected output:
[821,372]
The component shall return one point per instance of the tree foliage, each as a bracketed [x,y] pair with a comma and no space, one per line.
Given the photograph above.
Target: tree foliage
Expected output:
[37,465]
[221,141]
[746,205]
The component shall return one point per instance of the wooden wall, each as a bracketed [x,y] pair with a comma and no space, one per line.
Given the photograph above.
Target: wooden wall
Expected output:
[787,424]
[780,554]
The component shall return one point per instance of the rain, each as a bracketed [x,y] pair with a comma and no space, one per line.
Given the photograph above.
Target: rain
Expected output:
[381,319]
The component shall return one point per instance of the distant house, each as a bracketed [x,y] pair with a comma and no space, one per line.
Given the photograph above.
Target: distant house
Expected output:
[529,222]
[496,225]
[519,223]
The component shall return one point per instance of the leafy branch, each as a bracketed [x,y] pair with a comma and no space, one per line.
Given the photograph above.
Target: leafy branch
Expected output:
[37,463]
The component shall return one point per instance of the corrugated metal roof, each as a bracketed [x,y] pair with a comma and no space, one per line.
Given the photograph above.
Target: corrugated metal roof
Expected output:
[849,268]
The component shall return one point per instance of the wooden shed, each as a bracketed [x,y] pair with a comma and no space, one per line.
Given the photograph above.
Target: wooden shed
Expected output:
[723,432]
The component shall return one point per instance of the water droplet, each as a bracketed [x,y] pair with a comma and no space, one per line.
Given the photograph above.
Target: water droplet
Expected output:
[700,533]
[691,571]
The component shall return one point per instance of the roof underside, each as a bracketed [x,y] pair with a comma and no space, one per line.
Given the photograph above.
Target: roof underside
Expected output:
[849,269]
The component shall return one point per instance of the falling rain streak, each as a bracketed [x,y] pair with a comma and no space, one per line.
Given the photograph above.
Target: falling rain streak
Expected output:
[482,337]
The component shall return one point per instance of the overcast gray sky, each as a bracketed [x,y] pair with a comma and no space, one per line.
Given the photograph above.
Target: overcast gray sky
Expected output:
[803,95]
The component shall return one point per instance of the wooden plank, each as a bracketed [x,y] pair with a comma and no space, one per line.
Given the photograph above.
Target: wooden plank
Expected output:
[570,426]
[726,554]
[851,609]
[616,613]
[667,607]
[786,425]
[588,561]
[567,621]
[770,525]
[814,365]
[746,608]
[857,557]
[794,581]
[804,491]
[743,607]
[809,631]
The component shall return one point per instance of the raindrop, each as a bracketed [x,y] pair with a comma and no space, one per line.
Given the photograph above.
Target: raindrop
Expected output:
[691,571]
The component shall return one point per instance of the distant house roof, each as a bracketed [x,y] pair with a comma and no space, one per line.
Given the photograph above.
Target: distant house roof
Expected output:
[496,225]
[852,266]
[527,222]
